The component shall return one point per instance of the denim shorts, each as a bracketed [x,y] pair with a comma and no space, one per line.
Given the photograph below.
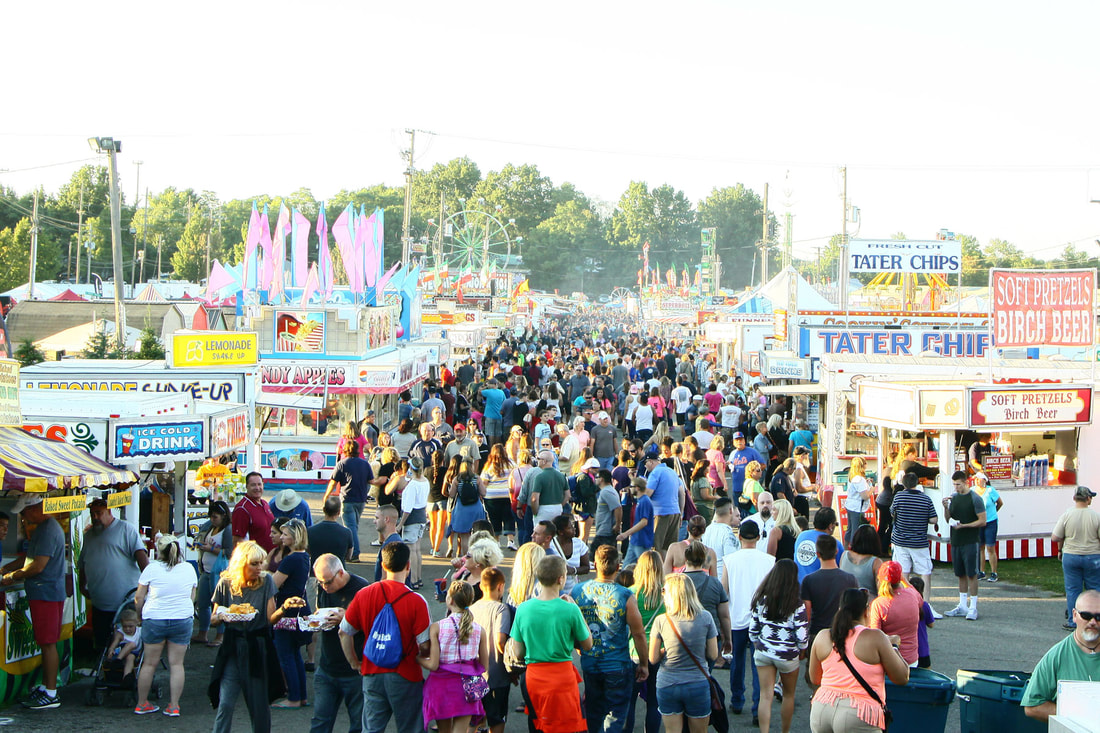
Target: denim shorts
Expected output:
[160,630]
[691,699]
[988,534]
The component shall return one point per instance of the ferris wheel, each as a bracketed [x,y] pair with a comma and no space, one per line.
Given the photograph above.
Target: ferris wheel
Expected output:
[472,240]
[619,295]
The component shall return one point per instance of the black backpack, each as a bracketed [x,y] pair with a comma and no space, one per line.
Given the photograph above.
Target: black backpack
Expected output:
[468,493]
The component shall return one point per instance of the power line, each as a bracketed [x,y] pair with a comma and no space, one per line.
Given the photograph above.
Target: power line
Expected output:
[47,165]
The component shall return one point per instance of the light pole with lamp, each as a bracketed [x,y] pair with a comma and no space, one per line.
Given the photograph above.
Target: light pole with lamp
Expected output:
[90,246]
[112,147]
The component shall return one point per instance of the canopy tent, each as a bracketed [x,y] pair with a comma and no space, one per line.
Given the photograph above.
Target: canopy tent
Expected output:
[149,294]
[67,295]
[30,463]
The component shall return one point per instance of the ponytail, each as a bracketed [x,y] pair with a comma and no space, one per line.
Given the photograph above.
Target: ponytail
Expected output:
[853,605]
[168,550]
[462,596]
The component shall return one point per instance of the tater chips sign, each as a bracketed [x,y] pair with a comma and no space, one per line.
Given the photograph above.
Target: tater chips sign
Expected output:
[1042,307]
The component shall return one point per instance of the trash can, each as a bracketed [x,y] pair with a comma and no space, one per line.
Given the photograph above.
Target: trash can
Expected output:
[922,705]
[990,700]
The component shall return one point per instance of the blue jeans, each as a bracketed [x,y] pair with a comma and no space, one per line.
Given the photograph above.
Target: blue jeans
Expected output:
[649,690]
[606,462]
[525,527]
[290,659]
[328,692]
[741,648]
[203,603]
[607,699]
[633,552]
[1079,572]
[353,511]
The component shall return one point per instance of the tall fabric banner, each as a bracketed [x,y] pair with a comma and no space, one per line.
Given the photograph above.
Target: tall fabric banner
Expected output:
[325,270]
[299,249]
[251,241]
[278,279]
[266,268]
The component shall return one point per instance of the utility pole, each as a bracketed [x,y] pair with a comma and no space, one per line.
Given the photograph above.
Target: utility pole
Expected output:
[34,248]
[407,213]
[112,148]
[137,197]
[764,239]
[144,234]
[79,232]
[842,262]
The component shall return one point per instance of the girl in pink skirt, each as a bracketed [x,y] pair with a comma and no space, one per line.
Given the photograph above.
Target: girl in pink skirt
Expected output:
[457,662]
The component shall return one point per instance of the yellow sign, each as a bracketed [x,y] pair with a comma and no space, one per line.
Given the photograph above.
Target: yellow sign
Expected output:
[119,498]
[10,413]
[64,504]
[214,349]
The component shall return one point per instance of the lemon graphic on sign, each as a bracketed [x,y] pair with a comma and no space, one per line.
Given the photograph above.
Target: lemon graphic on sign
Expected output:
[194,351]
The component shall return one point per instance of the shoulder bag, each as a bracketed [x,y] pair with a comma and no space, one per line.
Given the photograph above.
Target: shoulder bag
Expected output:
[887,716]
[718,717]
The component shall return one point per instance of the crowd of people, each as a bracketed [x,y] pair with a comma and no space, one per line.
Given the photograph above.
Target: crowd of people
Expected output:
[659,516]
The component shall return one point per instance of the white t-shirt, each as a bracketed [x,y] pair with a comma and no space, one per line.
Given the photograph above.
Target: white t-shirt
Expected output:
[169,594]
[745,570]
[704,438]
[731,416]
[682,396]
[574,561]
[856,503]
[415,495]
[643,418]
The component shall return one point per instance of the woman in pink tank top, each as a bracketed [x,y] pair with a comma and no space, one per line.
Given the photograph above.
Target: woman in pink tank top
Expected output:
[842,704]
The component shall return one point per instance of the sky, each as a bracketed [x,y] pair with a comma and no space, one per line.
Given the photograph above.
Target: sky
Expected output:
[976,117]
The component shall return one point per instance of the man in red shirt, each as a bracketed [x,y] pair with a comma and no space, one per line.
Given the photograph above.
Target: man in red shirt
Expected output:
[397,692]
[252,517]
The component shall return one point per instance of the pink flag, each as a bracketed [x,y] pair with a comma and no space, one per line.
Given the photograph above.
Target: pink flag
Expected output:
[343,232]
[311,285]
[380,287]
[370,257]
[379,240]
[282,228]
[250,241]
[299,249]
[267,265]
[324,256]
[357,255]
[217,280]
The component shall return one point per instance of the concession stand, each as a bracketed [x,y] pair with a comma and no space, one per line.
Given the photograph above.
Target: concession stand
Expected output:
[1035,421]
[63,474]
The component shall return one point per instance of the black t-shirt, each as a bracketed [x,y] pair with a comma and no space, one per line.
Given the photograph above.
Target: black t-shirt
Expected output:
[386,470]
[331,537]
[333,661]
[823,588]
[354,476]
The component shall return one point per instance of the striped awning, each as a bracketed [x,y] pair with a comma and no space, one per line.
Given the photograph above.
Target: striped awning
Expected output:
[33,464]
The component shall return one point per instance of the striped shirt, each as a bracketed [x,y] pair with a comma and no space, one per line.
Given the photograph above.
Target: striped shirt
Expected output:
[911,511]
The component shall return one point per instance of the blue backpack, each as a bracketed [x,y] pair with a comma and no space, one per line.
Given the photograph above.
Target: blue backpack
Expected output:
[384,647]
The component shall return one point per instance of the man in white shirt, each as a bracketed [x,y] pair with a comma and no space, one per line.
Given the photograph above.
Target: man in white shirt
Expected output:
[720,536]
[763,517]
[681,397]
[744,570]
[730,417]
[704,431]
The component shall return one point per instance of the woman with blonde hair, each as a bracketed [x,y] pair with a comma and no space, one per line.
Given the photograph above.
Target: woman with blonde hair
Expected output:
[684,637]
[247,594]
[517,441]
[781,539]
[290,580]
[716,454]
[524,582]
[859,497]
[660,432]
[751,489]
[459,649]
[165,601]
[648,588]
[351,434]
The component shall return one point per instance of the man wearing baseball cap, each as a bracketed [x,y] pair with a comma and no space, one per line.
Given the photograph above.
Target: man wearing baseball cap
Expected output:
[603,441]
[667,494]
[43,578]
[1078,530]
[741,457]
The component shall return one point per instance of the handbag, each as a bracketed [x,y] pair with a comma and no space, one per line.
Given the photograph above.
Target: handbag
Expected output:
[887,716]
[718,716]
[474,687]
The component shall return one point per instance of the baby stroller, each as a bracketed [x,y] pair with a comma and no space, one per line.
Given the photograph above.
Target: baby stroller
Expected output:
[109,671]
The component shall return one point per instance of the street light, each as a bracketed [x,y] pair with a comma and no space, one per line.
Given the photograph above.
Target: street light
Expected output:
[90,246]
[112,147]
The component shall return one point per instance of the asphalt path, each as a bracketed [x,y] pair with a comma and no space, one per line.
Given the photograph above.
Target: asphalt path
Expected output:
[1016,626]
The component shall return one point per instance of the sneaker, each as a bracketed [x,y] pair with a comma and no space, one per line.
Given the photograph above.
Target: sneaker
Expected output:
[172,711]
[959,610]
[39,700]
[512,546]
[146,709]
[778,689]
[935,614]
[993,578]
[1069,626]
[376,543]
[972,614]
[981,575]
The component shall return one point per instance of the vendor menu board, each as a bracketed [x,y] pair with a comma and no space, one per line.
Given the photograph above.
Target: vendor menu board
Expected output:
[997,467]
[1001,407]
[10,413]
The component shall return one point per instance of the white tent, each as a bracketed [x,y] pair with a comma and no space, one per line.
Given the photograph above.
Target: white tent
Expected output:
[777,290]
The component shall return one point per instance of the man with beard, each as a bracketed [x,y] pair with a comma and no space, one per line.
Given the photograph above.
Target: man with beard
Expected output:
[763,517]
[110,565]
[1077,657]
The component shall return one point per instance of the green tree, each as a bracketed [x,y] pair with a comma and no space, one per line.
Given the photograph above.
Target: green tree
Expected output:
[561,247]
[169,213]
[1001,253]
[28,354]
[734,211]
[15,248]
[189,260]
[149,345]
[519,193]
[975,273]
[1072,258]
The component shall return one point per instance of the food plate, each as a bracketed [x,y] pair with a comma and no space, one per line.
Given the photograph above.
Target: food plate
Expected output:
[238,617]
[317,621]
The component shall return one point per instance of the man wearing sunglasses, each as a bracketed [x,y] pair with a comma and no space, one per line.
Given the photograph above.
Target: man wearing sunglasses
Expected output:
[335,680]
[1077,657]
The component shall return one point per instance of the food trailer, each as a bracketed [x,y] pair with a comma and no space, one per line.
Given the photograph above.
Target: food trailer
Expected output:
[1037,419]
[63,474]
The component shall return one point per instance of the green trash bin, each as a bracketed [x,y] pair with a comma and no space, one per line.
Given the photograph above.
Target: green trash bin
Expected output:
[990,700]
[922,705]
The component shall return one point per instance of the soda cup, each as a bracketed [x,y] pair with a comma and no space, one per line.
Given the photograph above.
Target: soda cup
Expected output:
[441,589]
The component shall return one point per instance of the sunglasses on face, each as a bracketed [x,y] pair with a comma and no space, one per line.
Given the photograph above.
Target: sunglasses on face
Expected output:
[1088,616]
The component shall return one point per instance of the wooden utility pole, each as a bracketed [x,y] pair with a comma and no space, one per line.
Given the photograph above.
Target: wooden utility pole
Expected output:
[34,248]
[79,233]
[842,262]
[764,239]
[137,197]
[406,219]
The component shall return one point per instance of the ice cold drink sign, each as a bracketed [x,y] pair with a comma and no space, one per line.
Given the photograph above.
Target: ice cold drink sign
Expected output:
[175,440]
[1042,308]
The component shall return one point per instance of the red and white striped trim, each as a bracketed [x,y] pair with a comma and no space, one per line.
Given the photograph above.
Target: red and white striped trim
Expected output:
[1007,549]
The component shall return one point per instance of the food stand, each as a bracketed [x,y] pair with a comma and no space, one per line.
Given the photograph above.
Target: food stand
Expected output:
[63,474]
[1037,420]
